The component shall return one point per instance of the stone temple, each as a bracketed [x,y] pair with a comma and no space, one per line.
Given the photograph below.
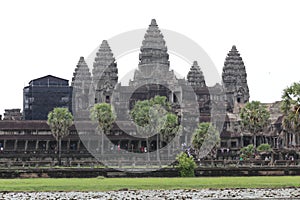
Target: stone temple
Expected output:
[154,77]
[192,100]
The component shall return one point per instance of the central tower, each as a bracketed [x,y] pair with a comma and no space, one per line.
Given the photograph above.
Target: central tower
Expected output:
[153,58]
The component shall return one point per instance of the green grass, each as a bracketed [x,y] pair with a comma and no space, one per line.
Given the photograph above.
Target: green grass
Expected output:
[105,184]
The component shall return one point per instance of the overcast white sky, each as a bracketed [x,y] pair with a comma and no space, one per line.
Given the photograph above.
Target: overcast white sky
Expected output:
[38,38]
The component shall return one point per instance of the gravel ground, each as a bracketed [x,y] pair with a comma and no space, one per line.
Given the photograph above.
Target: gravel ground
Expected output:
[289,193]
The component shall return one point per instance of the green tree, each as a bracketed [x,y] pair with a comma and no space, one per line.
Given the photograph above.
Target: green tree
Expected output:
[290,107]
[264,148]
[208,133]
[186,165]
[247,152]
[103,114]
[254,118]
[154,116]
[59,120]
[169,129]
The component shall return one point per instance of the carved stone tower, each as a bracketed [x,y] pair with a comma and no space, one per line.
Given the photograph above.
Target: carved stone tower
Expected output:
[235,80]
[153,59]
[105,73]
[81,83]
[195,76]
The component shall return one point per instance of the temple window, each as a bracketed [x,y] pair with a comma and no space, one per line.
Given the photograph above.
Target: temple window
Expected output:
[107,99]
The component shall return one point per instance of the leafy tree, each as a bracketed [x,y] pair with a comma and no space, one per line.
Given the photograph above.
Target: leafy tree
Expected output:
[154,116]
[186,165]
[142,110]
[205,132]
[254,118]
[247,152]
[59,120]
[264,148]
[290,107]
[170,127]
[103,114]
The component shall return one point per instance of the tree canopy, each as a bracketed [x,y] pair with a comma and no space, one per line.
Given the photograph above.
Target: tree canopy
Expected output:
[154,117]
[208,133]
[103,114]
[59,120]
[290,107]
[247,152]
[254,118]
[142,110]
[264,148]
[170,127]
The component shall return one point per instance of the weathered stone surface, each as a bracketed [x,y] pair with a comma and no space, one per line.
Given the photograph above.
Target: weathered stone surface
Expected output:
[235,79]
[195,76]
[154,59]
[105,73]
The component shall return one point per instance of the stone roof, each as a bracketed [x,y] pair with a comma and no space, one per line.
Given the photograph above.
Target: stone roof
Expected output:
[11,125]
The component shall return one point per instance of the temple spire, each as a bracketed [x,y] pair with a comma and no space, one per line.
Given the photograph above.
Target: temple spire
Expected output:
[153,22]
[235,78]
[81,83]
[104,58]
[105,73]
[154,48]
[81,76]
[153,58]
[195,76]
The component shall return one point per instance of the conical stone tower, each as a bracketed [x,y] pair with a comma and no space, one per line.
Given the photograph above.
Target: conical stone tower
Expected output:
[81,83]
[195,76]
[81,77]
[105,73]
[234,78]
[153,59]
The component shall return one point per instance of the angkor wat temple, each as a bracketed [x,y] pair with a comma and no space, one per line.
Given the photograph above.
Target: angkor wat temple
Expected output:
[153,77]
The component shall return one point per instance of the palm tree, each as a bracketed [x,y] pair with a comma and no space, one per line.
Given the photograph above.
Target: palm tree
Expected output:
[254,118]
[206,134]
[59,120]
[169,129]
[290,107]
[103,114]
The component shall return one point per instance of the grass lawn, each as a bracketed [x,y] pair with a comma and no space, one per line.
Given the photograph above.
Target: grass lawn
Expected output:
[99,184]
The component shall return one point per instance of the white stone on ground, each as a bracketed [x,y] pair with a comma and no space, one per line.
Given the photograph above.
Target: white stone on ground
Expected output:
[288,193]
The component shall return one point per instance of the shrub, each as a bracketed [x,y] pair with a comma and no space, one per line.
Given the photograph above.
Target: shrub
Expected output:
[247,152]
[186,165]
[264,148]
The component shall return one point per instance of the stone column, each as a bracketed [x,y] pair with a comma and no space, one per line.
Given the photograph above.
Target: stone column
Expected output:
[37,145]
[293,139]
[15,145]
[47,145]
[26,145]
[78,145]
[68,145]
[129,145]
